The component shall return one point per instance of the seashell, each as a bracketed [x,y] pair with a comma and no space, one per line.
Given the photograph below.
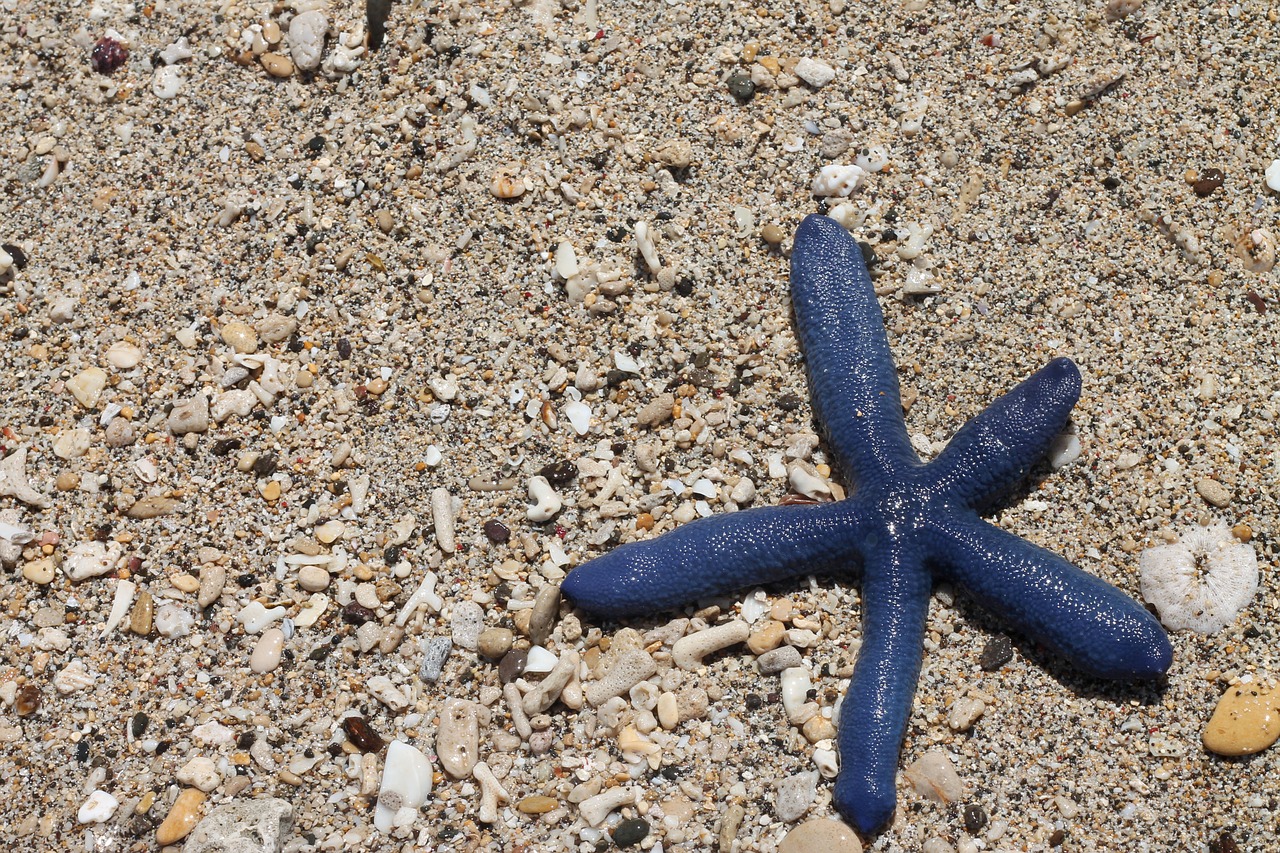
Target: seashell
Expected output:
[406,785]
[1201,582]
[838,180]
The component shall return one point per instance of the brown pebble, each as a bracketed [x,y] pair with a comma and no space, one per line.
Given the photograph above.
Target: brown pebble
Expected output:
[255,151]
[277,65]
[1213,492]
[496,531]
[143,613]
[1247,720]
[67,481]
[493,643]
[536,805]
[772,234]
[644,521]
[1210,180]
[182,818]
[27,700]
[361,735]
[506,184]
[546,606]
[386,222]
[512,665]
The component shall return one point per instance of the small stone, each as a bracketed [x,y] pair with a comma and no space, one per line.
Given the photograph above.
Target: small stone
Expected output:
[496,531]
[98,808]
[537,804]
[741,86]
[173,621]
[91,559]
[795,795]
[1213,492]
[506,185]
[26,700]
[975,818]
[123,355]
[997,653]
[772,234]
[120,433]
[766,638]
[435,651]
[512,665]
[816,74]
[656,411]
[200,772]
[39,571]
[964,712]
[191,416]
[817,728]
[466,624]
[935,777]
[245,826]
[270,491]
[277,65]
[86,386]
[630,832]
[495,642]
[267,651]
[821,836]
[182,817]
[306,39]
[142,617]
[776,660]
[1247,720]
[330,531]
[360,734]
[458,737]
[152,507]
[313,578]
[386,221]
[241,337]
[546,606]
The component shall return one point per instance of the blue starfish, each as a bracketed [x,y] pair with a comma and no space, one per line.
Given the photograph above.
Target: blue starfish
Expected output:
[906,523]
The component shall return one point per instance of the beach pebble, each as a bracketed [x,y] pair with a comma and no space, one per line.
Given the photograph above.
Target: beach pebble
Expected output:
[435,651]
[120,433]
[466,624]
[182,818]
[406,784]
[512,665]
[241,337]
[90,559]
[821,835]
[776,660]
[41,571]
[190,416]
[595,809]
[237,401]
[306,39]
[98,808]
[166,82]
[934,777]
[795,795]
[13,479]
[656,411]
[213,578]
[493,643]
[628,669]
[255,616]
[385,691]
[1247,720]
[1213,492]
[546,606]
[267,651]
[542,697]
[546,501]
[458,737]
[443,518]
[277,65]
[313,578]
[87,385]
[260,825]
[816,74]
[964,712]
[172,620]
[200,772]
[631,832]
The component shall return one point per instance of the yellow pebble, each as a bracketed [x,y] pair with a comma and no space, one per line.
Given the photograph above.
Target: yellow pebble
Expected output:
[182,818]
[1247,720]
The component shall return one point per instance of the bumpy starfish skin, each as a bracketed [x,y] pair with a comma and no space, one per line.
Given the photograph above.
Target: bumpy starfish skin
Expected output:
[906,524]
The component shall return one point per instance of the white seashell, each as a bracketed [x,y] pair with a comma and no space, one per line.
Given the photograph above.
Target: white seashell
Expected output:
[73,678]
[540,660]
[90,559]
[566,266]
[838,180]
[1202,582]
[406,783]
[166,82]
[914,245]
[424,594]
[807,483]
[795,691]
[15,533]
[385,691]
[579,415]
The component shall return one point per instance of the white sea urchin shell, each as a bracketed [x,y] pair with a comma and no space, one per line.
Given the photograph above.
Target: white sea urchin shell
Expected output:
[1201,582]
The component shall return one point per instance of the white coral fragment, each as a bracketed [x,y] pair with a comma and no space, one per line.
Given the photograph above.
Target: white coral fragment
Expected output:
[838,180]
[1201,582]
[13,480]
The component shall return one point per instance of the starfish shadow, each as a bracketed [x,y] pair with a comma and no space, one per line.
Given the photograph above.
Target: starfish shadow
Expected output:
[906,523]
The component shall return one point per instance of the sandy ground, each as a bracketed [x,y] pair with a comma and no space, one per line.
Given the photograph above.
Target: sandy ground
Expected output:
[415,336]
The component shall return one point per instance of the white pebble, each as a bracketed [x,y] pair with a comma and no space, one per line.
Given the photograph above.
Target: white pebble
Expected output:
[579,415]
[306,39]
[443,517]
[255,616]
[458,738]
[1272,176]
[73,678]
[935,777]
[267,651]
[90,559]
[200,772]
[87,385]
[385,691]
[98,808]
[566,266]
[649,251]
[539,661]
[176,51]
[1064,450]
[795,691]
[816,74]
[873,158]
[166,82]
[466,624]
[173,621]
[406,783]
[125,591]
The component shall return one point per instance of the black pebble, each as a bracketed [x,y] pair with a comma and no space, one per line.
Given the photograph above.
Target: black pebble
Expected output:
[630,832]
[741,87]
[999,651]
[496,531]
[975,817]
[512,665]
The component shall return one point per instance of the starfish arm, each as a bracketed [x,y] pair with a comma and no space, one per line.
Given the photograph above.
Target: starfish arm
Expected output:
[873,718]
[853,383]
[996,449]
[1102,631]
[712,556]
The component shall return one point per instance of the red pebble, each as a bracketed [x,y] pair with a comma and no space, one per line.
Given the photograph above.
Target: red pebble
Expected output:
[108,55]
